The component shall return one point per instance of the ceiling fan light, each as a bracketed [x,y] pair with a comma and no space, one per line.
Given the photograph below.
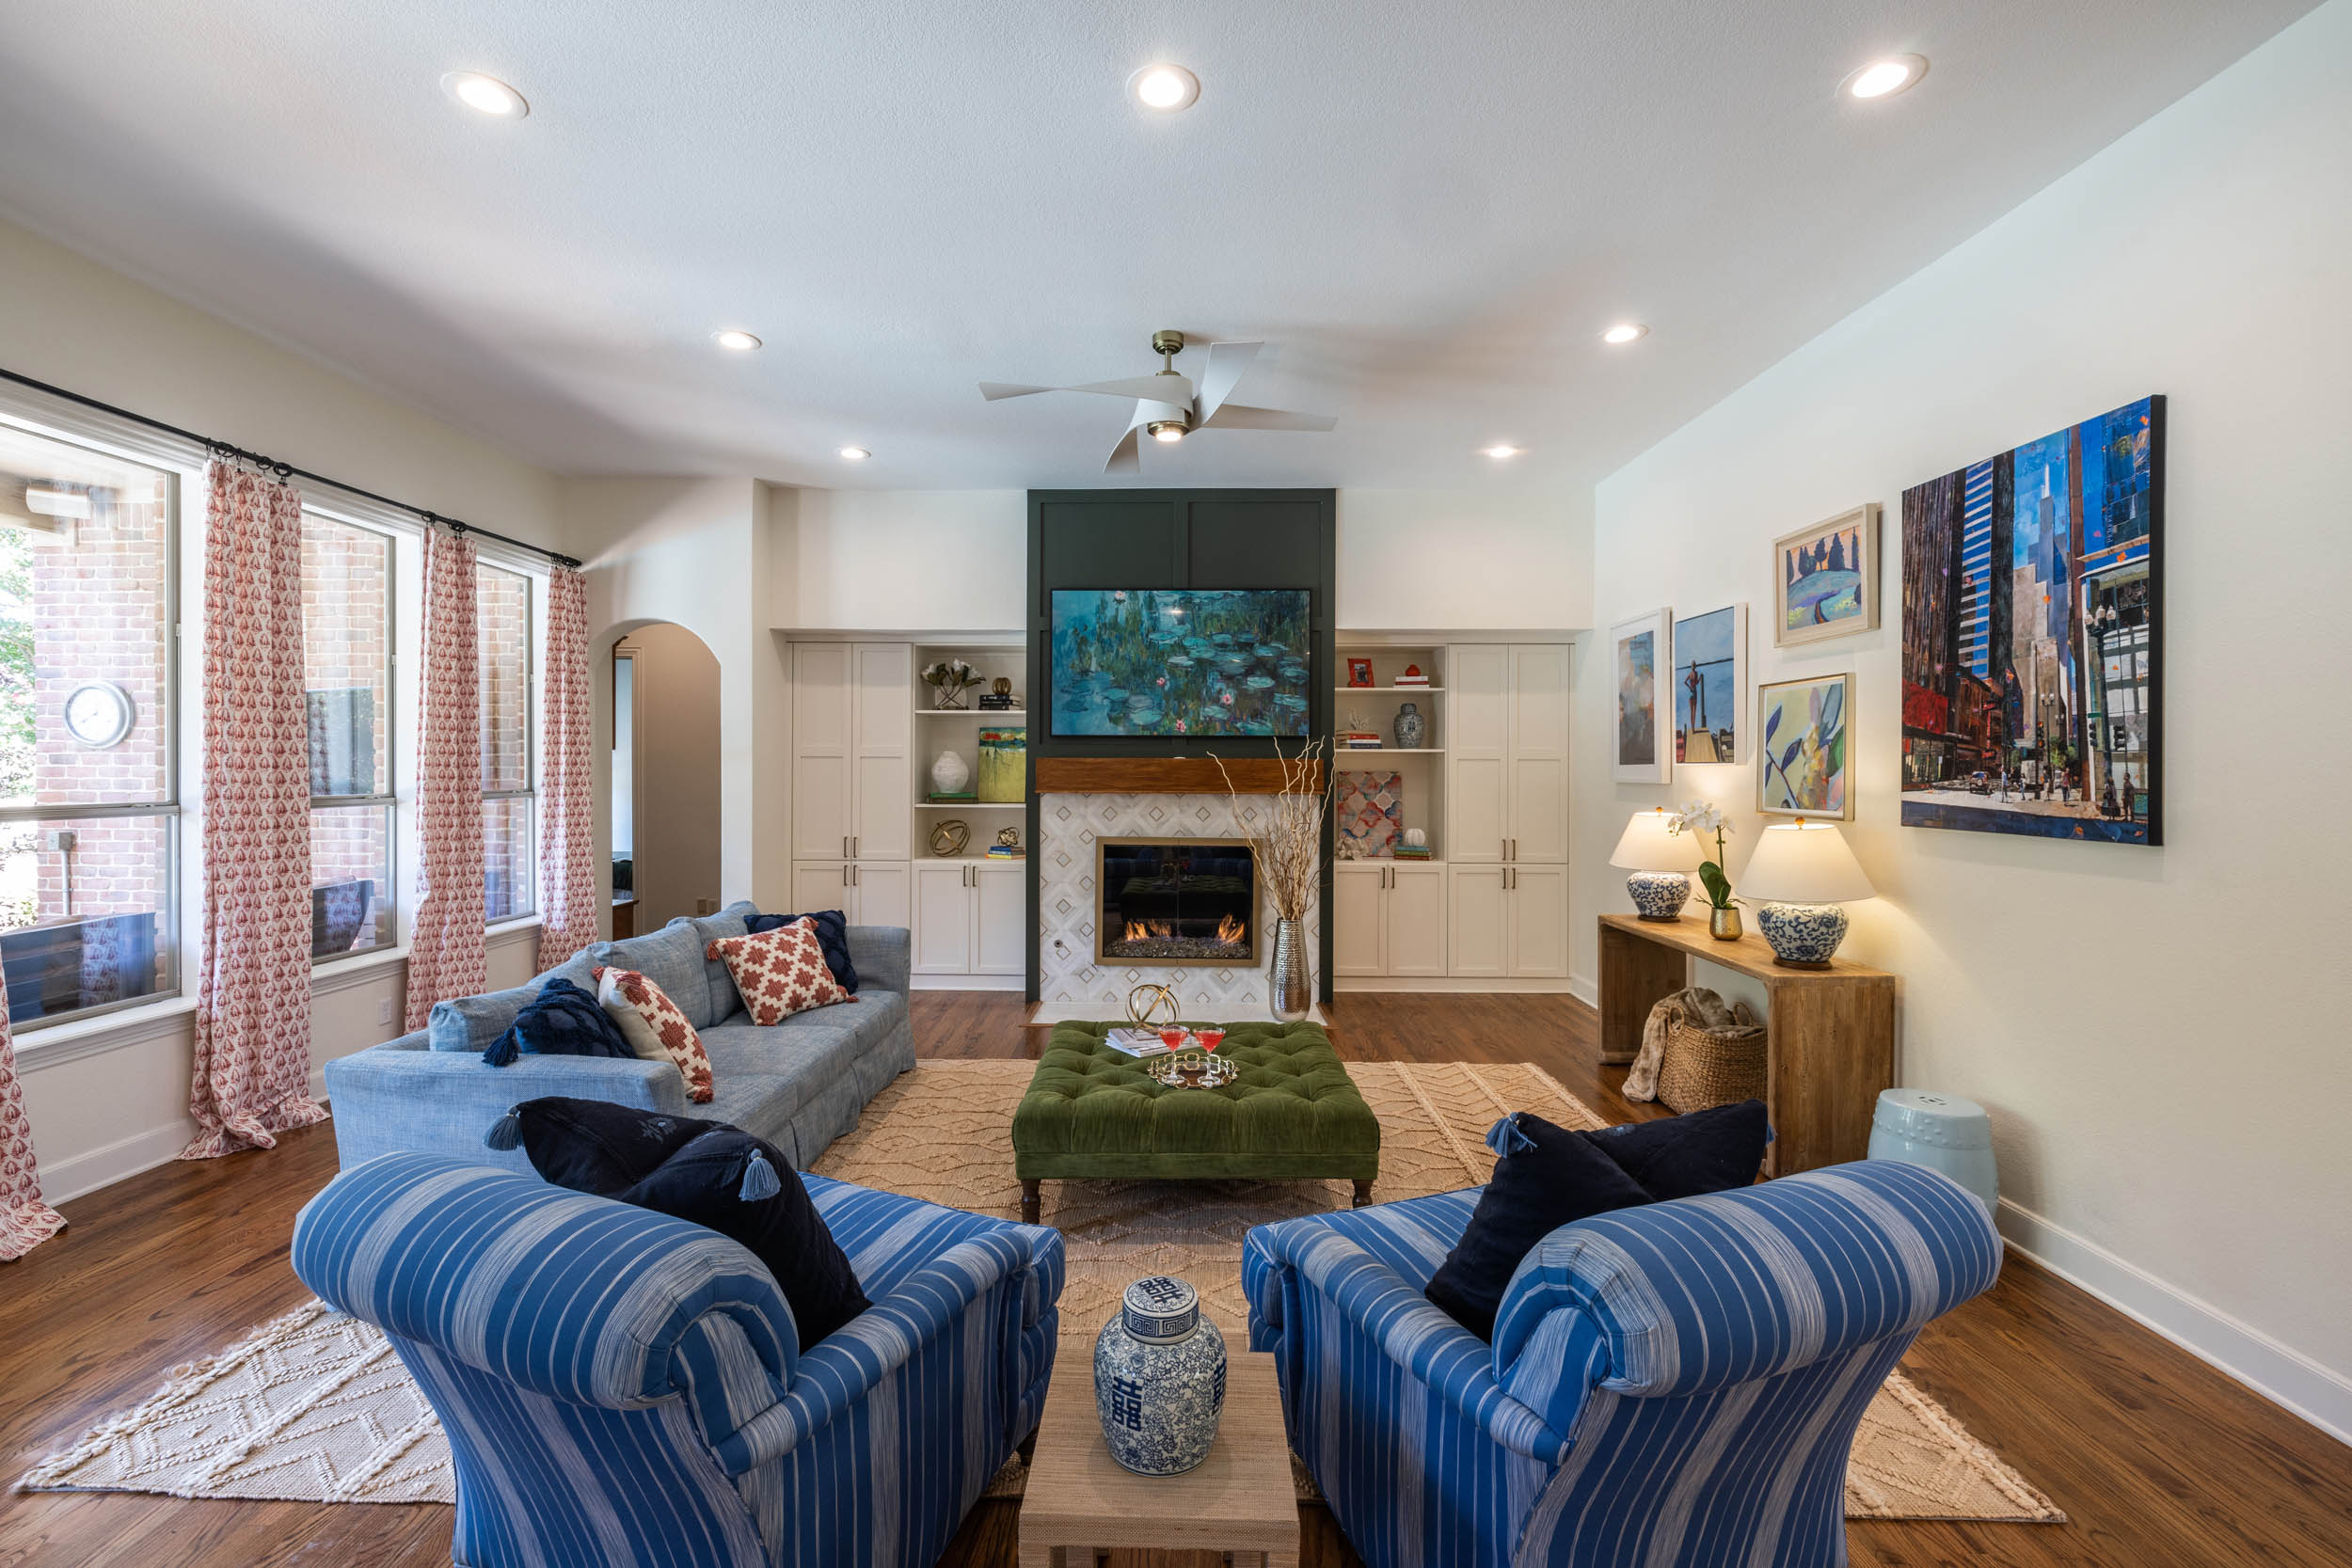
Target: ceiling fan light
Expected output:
[1169,431]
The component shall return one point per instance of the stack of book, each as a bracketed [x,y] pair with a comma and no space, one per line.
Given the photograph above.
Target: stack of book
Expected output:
[954,798]
[1412,677]
[1412,851]
[1005,852]
[1360,740]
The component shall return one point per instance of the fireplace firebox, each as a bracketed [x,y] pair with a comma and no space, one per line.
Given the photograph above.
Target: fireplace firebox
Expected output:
[1175,901]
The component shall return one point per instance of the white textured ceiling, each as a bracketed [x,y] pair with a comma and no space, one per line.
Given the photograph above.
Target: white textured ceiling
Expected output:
[1430,208]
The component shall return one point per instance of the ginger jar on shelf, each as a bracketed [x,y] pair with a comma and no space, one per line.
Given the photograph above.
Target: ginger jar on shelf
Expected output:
[1411,727]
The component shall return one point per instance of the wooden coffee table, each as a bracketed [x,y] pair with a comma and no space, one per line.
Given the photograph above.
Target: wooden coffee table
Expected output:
[1238,1501]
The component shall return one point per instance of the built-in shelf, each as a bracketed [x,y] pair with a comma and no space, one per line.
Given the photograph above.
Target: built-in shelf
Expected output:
[1389,752]
[971,713]
[1345,689]
[969,805]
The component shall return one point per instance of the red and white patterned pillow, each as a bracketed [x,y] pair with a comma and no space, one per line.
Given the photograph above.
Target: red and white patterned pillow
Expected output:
[654,1027]
[781,972]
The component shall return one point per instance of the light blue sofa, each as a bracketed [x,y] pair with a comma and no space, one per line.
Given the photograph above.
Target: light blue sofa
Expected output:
[625,1389]
[799,1084]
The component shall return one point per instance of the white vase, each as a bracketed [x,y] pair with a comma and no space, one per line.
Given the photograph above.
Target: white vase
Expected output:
[950,773]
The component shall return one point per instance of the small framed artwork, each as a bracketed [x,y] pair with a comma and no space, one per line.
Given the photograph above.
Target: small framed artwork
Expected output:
[1359,671]
[1825,579]
[1642,652]
[1710,685]
[1804,755]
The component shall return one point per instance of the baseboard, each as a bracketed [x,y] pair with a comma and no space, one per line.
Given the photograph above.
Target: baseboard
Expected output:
[2279,1373]
[1585,990]
[68,1180]
[1091,1011]
[966,982]
[1342,984]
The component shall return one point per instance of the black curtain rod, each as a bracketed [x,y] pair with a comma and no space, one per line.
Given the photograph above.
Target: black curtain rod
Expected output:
[287,471]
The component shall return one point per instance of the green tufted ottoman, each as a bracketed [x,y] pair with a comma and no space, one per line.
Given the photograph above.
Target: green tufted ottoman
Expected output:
[1293,1115]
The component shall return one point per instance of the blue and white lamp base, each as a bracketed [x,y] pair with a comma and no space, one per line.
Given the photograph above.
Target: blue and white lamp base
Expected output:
[1658,895]
[1803,935]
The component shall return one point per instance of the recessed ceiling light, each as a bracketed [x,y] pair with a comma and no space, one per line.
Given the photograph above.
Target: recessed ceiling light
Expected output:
[1625,332]
[1165,86]
[1500,451]
[740,341]
[485,94]
[856,454]
[1884,78]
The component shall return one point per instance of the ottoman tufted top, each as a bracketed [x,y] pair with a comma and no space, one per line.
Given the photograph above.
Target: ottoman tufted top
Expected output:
[1293,1114]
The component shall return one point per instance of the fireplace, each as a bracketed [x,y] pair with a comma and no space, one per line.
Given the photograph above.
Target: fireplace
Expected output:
[1175,901]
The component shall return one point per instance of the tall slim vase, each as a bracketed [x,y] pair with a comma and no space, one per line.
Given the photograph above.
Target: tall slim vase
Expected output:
[1288,991]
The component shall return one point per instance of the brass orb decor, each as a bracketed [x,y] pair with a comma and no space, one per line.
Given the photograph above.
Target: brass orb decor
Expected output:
[1145,1002]
[949,837]
[1002,686]
[1008,837]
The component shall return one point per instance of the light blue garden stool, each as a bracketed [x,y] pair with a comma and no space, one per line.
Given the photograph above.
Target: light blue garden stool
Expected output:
[1941,1132]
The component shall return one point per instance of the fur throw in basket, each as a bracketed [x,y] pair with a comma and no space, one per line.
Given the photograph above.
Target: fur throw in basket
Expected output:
[1695,1010]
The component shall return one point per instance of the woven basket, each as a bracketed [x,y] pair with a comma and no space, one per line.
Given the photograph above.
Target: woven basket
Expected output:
[1704,1066]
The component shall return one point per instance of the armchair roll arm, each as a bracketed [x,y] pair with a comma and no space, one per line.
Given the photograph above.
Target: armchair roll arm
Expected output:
[1385,1307]
[885,955]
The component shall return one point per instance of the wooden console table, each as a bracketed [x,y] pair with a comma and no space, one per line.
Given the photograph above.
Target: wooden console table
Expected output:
[1829,1033]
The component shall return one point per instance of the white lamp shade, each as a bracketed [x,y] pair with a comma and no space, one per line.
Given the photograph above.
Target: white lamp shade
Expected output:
[1805,863]
[1649,846]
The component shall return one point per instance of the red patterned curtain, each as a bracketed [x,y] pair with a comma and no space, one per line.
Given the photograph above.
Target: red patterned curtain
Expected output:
[446,954]
[567,863]
[25,1221]
[253,1000]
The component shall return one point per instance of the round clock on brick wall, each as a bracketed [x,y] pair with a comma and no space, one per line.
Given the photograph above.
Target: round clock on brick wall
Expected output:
[99,714]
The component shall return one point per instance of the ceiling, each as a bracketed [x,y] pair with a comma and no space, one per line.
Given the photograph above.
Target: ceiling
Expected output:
[1430,210]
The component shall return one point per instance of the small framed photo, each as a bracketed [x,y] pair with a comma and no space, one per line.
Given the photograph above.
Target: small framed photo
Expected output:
[1804,754]
[1642,652]
[1825,579]
[1359,671]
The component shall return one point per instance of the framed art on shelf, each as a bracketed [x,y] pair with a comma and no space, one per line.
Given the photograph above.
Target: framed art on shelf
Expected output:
[1359,671]
[1642,653]
[1710,685]
[1804,755]
[1826,579]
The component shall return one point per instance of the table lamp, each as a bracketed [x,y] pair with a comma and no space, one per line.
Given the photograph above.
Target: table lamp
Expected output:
[1802,871]
[1659,860]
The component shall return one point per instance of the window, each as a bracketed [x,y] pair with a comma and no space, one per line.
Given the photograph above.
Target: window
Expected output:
[347,670]
[89,815]
[509,857]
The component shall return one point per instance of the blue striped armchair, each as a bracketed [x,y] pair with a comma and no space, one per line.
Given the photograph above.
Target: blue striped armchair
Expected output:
[623,1388]
[1673,1385]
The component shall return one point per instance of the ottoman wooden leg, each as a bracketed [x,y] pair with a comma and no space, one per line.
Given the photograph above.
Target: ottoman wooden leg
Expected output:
[1031,1203]
[1363,1194]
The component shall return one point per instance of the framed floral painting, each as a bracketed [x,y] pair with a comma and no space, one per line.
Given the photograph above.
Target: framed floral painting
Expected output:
[1804,758]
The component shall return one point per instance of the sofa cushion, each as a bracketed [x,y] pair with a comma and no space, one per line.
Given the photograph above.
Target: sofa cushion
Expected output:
[655,1028]
[780,973]
[470,1023]
[800,1061]
[562,1020]
[672,958]
[729,922]
[593,1146]
[1699,1151]
[832,935]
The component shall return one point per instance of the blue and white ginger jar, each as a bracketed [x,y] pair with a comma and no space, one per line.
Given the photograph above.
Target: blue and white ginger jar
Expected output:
[1159,1378]
[1412,729]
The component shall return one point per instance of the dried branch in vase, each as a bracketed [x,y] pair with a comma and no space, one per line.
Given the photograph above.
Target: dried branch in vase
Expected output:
[1289,846]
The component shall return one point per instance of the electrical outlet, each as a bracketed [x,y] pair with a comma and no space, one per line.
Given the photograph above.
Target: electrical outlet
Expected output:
[384,1012]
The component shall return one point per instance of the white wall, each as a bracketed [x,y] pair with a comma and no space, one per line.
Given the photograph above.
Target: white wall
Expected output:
[905,560]
[677,713]
[2157,1032]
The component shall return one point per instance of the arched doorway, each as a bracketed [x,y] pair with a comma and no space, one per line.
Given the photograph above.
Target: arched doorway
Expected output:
[662,808]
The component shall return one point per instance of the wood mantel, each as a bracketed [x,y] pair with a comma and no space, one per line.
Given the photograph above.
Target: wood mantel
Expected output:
[1162,776]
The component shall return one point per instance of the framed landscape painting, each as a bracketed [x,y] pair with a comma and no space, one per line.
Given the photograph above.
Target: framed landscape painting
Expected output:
[1641,654]
[1803,756]
[1709,685]
[1826,579]
[2033,637]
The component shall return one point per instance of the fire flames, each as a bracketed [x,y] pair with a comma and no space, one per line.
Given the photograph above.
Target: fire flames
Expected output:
[1230,931]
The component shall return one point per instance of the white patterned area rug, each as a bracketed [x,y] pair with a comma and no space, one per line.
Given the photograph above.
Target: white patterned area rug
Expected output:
[315,1407]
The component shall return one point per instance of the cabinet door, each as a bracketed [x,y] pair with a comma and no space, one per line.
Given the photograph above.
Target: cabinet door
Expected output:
[883,789]
[881,775]
[1478,749]
[1538,827]
[1001,915]
[1475,902]
[1413,920]
[822,723]
[1538,821]
[942,918]
[823,886]
[884,893]
[1539,922]
[1356,899]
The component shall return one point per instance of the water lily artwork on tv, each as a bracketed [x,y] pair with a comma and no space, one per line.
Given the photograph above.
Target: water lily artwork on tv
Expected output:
[1180,661]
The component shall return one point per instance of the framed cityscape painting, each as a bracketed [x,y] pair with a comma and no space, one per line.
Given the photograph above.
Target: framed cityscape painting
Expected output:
[1804,761]
[1642,653]
[2032,656]
[1826,579]
[1709,685]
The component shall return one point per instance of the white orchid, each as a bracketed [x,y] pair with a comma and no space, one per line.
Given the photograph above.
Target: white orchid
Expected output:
[1699,818]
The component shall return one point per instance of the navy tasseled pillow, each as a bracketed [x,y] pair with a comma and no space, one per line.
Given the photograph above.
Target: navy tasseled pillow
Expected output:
[562,1020]
[833,936]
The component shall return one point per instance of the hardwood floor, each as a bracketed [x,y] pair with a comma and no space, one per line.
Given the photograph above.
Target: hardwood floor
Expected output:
[2158,1459]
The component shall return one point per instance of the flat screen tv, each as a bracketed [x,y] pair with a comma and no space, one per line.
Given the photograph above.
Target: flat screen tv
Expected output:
[1179,661]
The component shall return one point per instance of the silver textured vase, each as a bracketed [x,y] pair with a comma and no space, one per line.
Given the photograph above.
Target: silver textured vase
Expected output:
[1288,992]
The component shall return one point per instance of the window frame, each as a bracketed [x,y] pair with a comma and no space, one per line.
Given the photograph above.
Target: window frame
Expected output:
[170,916]
[388,798]
[533,586]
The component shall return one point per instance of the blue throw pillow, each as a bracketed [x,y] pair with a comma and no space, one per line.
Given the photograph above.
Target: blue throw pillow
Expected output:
[562,1020]
[1548,1177]
[833,936]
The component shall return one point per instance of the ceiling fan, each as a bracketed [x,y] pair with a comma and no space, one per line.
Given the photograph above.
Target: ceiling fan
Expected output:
[1166,407]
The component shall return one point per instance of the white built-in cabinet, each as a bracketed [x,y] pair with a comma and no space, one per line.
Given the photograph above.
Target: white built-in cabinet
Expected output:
[1388,918]
[1507,753]
[852,775]
[867,892]
[968,918]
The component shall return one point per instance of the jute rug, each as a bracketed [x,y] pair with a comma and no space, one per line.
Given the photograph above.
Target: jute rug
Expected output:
[314,1406]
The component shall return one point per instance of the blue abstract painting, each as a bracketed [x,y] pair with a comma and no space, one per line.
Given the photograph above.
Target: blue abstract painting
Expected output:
[1180,661]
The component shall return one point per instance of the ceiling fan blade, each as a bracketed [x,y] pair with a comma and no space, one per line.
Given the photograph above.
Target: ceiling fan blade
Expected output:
[1241,415]
[1152,389]
[1124,459]
[1227,364]
[993,391]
